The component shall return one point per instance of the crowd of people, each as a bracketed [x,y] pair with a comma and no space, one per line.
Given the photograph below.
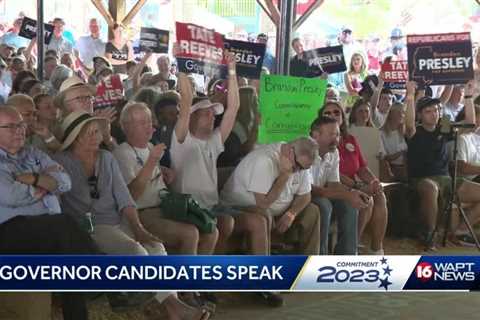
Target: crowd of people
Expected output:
[76,178]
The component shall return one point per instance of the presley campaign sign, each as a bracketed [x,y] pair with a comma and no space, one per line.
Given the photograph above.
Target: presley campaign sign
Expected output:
[248,55]
[288,106]
[395,74]
[154,39]
[200,50]
[29,30]
[329,59]
[440,58]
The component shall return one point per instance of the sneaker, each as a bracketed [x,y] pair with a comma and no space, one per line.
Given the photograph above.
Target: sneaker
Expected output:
[272,299]
[125,301]
[466,240]
[380,252]
[427,239]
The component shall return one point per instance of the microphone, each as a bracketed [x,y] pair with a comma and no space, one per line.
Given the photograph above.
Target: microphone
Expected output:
[446,126]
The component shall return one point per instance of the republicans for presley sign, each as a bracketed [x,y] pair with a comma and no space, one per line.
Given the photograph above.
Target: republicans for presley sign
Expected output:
[29,30]
[248,55]
[440,58]
[395,74]
[154,39]
[288,106]
[200,50]
[329,59]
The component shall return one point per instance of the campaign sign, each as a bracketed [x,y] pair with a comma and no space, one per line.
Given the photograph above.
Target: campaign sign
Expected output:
[288,106]
[395,74]
[109,92]
[329,59]
[440,58]
[29,30]
[200,50]
[154,39]
[249,57]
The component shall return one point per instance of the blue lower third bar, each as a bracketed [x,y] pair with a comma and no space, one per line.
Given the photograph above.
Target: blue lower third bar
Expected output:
[124,273]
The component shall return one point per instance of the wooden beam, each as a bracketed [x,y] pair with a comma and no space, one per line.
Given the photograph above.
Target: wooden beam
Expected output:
[307,14]
[265,10]
[104,12]
[117,9]
[133,12]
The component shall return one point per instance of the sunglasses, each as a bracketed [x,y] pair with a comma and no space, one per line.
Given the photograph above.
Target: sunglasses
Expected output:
[221,88]
[93,185]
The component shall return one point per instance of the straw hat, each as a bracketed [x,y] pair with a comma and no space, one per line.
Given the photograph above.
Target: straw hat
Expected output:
[73,124]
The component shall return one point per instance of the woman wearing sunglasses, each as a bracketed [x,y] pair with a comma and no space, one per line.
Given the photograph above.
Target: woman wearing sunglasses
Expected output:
[99,193]
[356,175]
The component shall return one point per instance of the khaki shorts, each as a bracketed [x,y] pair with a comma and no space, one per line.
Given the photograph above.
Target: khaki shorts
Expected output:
[444,184]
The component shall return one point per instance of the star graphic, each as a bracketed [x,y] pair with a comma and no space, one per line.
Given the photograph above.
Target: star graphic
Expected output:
[383,260]
[384,283]
[387,270]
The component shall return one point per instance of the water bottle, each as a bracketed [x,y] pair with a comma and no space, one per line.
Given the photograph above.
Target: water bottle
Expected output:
[88,222]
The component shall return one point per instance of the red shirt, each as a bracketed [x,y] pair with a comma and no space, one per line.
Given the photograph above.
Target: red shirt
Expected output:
[351,158]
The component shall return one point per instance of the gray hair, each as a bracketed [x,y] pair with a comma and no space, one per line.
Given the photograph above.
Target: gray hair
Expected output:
[60,74]
[304,146]
[126,114]
[163,56]
[147,95]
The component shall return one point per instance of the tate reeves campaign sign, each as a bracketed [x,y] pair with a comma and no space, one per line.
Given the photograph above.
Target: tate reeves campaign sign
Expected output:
[440,58]
[239,273]
[395,74]
[200,50]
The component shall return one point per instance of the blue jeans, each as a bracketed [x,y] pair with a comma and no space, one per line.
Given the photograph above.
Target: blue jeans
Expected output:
[346,216]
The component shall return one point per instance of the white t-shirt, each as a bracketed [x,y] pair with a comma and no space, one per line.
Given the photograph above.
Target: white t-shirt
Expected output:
[325,169]
[393,143]
[131,160]
[379,118]
[469,149]
[256,173]
[195,165]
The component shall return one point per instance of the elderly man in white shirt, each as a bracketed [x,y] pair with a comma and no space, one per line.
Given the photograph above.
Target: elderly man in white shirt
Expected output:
[139,162]
[275,178]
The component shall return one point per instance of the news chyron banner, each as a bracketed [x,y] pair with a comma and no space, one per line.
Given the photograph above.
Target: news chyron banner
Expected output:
[440,58]
[200,50]
[239,273]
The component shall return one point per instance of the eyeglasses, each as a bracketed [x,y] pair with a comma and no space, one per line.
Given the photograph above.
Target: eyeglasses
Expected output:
[15,126]
[332,113]
[93,185]
[82,99]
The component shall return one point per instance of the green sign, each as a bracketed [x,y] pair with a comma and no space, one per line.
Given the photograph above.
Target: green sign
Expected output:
[288,106]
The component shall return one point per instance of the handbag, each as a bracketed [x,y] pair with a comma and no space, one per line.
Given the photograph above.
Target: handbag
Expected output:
[183,208]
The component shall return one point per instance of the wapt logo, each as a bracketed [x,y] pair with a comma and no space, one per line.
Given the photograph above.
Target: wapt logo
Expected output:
[445,271]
